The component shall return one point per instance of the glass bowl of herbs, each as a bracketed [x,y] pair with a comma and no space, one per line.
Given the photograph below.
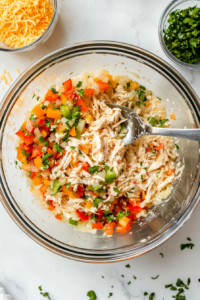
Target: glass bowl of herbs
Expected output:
[179,33]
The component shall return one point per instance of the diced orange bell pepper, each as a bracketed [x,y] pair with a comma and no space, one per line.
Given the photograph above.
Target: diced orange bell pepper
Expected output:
[89,92]
[97,225]
[51,97]
[89,204]
[38,111]
[103,86]
[27,138]
[80,102]
[109,228]
[72,131]
[58,217]
[20,155]
[43,188]
[124,221]
[123,229]
[84,149]
[70,192]
[53,114]
[172,116]
[38,162]
[37,180]
[134,85]
[170,172]
[68,85]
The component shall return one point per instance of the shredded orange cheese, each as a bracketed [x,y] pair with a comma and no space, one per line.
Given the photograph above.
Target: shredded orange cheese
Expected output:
[23,21]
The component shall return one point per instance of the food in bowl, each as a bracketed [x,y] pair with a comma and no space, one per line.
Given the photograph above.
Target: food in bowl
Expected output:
[23,22]
[71,148]
[182,34]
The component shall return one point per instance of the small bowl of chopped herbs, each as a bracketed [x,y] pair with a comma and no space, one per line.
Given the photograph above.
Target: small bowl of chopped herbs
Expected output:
[179,33]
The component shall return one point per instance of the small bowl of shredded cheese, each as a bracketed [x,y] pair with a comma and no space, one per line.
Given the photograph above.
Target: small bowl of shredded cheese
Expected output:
[24,24]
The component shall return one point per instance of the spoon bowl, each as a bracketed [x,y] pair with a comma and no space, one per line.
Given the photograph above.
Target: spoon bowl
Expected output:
[137,128]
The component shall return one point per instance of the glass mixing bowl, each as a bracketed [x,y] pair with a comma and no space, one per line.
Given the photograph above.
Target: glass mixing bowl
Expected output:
[43,38]
[163,24]
[163,220]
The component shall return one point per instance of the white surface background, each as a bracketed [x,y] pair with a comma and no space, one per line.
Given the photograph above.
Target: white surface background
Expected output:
[24,265]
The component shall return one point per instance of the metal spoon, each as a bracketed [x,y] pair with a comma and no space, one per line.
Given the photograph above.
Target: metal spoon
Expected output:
[137,128]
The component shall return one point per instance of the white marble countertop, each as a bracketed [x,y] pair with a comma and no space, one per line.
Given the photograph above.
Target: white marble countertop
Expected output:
[24,265]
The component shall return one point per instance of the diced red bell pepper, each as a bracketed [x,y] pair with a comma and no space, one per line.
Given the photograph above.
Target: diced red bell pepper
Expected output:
[99,214]
[80,188]
[89,92]
[51,97]
[68,85]
[82,215]
[29,126]
[80,102]
[69,94]
[58,217]
[131,207]
[103,86]
[39,121]
[51,206]
[97,225]
[36,152]
[28,139]
[85,167]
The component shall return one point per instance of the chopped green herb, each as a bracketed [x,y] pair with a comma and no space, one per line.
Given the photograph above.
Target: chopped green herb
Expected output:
[53,127]
[145,168]
[40,288]
[127,266]
[73,222]
[189,239]
[72,148]
[116,190]
[102,276]
[38,98]
[162,254]
[188,281]
[129,282]
[80,92]
[154,151]
[33,117]
[45,160]
[159,98]
[25,153]
[134,277]
[43,106]
[145,293]
[138,103]
[142,177]
[29,174]
[58,148]
[56,187]
[122,275]
[16,162]
[68,184]
[188,245]
[79,84]
[44,143]
[33,96]
[121,214]
[80,152]
[96,201]
[71,73]
[128,84]
[93,170]
[44,294]
[55,108]
[25,131]
[54,91]
[142,87]
[141,164]
[155,277]
[110,294]
[182,36]
[91,295]
[151,296]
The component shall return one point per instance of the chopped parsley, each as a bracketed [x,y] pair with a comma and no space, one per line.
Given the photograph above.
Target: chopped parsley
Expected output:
[151,297]
[33,96]
[79,151]
[71,73]
[54,91]
[116,190]
[127,266]
[154,122]
[25,153]
[38,98]
[141,164]
[142,87]
[102,276]
[145,293]
[154,151]
[29,174]
[45,160]
[128,84]
[121,214]
[93,170]
[79,84]
[58,148]
[25,131]
[155,277]
[161,254]
[96,201]
[80,92]
[92,295]
[110,294]
[159,98]
[177,147]
[142,177]
[44,294]
[180,286]
[189,239]
[33,117]
[44,143]
[16,162]
[43,106]
[134,277]
[188,245]
[122,275]
[129,282]
[72,148]
[53,127]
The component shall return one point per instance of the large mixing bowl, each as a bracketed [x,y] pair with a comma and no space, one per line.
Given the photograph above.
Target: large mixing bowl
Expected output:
[163,220]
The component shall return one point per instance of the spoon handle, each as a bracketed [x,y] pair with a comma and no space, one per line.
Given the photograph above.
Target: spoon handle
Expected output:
[190,134]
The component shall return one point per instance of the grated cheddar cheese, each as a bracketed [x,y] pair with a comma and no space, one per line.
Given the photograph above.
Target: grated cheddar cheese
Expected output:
[23,21]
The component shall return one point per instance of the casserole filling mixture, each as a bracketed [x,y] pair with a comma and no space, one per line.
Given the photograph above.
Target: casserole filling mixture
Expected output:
[72,151]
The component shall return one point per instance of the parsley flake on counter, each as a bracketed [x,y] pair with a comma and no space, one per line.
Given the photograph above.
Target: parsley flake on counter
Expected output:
[33,96]
[122,275]
[189,239]
[71,73]
[92,295]
[40,288]
[161,254]
[188,245]
[44,294]
[145,293]
[199,280]
[110,294]
[134,277]
[102,276]
[155,277]
[127,266]
[151,297]
[129,282]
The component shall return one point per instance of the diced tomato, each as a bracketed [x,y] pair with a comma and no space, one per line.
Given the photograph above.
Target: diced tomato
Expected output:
[123,229]
[80,188]
[89,92]
[170,172]
[99,214]
[51,97]
[69,94]
[80,102]
[29,126]
[82,215]
[51,206]
[131,207]
[103,86]
[134,182]
[27,138]
[36,152]
[39,121]
[109,228]
[68,85]
[58,217]
[85,167]
[97,225]
[160,146]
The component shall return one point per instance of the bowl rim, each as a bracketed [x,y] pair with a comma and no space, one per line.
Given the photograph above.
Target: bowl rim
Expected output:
[24,48]
[98,256]
[168,9]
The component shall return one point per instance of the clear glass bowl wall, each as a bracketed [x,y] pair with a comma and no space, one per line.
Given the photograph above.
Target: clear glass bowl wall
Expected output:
[164,219]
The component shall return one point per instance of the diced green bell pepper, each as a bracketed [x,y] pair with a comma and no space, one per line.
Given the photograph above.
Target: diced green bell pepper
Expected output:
[56,186]
[110,176]
[73,222]
[65,111]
